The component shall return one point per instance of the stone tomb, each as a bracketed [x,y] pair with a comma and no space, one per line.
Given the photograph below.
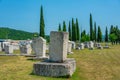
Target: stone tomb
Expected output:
[86,44]
[3,45]
[91,45]
[25,49]
[39,47]
[99,46]
[0,46]
[81,46]
[69,49]
[73,45]
[8,49]
[58,65]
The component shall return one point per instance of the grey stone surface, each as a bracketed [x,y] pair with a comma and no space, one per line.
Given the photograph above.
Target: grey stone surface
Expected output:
[69,49]
[77,48]
[58,65]
[99,46]
[86,44]
[0,46]
[25,49]
[8,49]
[66,68]
[16,47]
[73,45]
[39,47]
[91,44]
[3,45]
[81,46]
[58,46]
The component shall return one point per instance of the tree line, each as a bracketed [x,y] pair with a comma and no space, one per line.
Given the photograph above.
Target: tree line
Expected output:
[7,33]
[95,33]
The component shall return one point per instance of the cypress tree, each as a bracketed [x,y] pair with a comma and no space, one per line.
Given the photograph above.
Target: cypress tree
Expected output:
[106,35]
[64,26]
[111,35]
[73,36]
[77,30]
[91,28]
[99,37]
[117,34]
[69,30]
[59,28]
[95,32]
[74,31]
[111,29]
[42,24]
[83,33]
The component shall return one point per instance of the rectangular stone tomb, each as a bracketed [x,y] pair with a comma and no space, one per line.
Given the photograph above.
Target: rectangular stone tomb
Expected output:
[39,47]
[8,49]
[58,46]
[58,65]
[65,69]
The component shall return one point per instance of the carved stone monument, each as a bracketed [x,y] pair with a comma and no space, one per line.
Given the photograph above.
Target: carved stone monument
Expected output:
[39,47]
[58,65]
[8,49]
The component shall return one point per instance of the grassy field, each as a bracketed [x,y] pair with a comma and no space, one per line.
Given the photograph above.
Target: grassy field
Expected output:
[91,65]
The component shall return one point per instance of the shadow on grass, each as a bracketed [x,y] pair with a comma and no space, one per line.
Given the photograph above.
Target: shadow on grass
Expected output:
[63,77]
[33,60]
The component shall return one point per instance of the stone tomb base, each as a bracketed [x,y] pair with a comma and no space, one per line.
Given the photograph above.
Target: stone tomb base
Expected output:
[65,69]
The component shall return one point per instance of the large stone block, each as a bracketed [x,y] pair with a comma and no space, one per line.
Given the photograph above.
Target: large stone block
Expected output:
[73,45]
[25,49]
[58,65]
[91,44]
[8,49]
[58,46]
[65,69]
[0,46]
[69,47]
[81,46]
[39,47]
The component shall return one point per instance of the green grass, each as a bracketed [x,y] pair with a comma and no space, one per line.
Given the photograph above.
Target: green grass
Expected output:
[91,65]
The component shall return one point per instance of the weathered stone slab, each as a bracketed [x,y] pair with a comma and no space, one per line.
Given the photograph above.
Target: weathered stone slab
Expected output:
[39,47]
[69,49]
[65,69]
[86,44]
[58,65]
[8,49]
[91,44]
[3,45]
[25,49]
[73,45]
[0,46]
[58,46]
[81,46]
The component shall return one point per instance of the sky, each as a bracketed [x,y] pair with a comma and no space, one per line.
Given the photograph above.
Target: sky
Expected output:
[25,14]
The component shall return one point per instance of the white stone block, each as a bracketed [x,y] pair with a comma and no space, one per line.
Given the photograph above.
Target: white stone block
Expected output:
[39,47]
[58,46]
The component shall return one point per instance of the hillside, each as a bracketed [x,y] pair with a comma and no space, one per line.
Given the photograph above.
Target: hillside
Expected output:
[7,33]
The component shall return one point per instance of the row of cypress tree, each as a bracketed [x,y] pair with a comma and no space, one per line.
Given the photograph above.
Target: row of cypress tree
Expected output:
[73,29]
[75,34]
